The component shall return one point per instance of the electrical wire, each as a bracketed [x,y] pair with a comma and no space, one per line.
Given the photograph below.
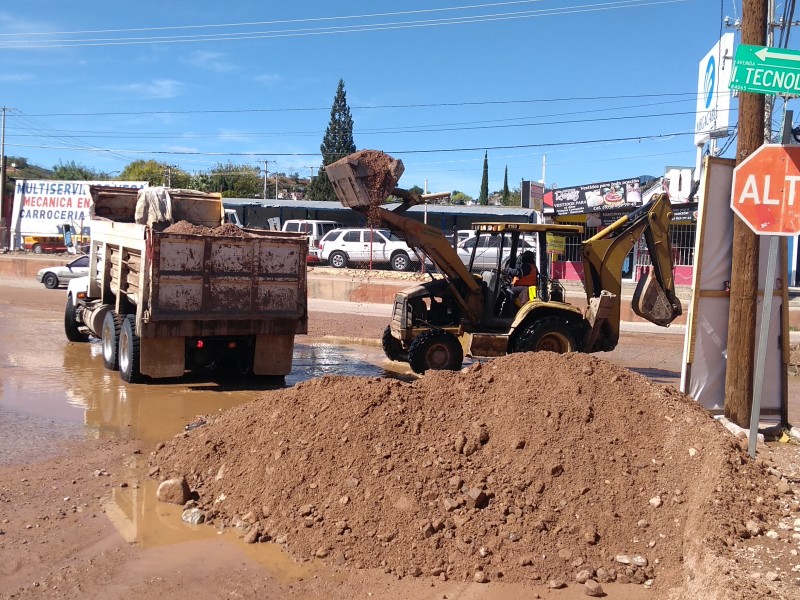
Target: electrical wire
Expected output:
[95,42]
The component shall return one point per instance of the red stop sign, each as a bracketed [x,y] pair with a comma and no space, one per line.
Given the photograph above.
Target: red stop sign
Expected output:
[766,190]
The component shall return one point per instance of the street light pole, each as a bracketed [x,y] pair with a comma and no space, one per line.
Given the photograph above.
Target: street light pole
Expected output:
[4,241]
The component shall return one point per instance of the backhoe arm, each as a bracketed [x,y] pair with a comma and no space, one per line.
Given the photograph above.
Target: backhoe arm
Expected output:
[605,253]
[363,180]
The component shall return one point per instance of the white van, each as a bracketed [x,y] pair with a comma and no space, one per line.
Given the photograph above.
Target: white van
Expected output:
[314,229]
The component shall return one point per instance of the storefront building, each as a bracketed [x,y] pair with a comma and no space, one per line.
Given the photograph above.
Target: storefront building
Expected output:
[598,205]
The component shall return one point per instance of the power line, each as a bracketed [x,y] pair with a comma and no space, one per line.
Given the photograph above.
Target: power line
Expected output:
[57,43]
[687,95]
[393,152]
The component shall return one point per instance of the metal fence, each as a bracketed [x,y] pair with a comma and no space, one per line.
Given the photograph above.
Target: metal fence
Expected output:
[681,235]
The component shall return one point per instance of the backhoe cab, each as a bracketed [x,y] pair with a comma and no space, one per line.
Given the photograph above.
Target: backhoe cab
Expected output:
[457,313]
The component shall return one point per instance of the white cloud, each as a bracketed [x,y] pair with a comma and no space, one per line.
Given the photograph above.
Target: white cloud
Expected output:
[181,149]
[269,79]
[156,89]
[15,77]
[232,135]
[212,61]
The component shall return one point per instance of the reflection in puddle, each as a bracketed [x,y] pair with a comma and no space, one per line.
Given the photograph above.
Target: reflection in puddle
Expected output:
[141,519]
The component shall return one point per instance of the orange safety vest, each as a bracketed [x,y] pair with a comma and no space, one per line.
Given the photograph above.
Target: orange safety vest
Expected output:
[531,278]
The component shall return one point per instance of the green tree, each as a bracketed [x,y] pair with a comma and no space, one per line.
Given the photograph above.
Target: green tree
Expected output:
[232,181]
[514,198]
[72,171]
[483,197]
[460,197]
[337,143]
[156,173]
[506,193]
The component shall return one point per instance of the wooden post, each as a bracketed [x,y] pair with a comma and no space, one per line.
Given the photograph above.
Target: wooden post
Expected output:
[744,276]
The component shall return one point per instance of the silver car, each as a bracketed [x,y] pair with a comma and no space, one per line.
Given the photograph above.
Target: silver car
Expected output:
[486,252]
[52,277]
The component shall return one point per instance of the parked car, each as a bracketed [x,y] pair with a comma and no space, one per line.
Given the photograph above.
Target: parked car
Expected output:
[52,277]
[486,253]
[315,230]
[345,246]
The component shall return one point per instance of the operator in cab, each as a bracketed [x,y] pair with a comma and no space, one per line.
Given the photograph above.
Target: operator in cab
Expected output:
[524,278]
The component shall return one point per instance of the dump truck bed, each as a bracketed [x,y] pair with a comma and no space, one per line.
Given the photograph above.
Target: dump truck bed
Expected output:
[203,283]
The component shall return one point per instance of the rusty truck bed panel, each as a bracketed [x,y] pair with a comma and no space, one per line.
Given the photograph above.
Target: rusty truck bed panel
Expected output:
[216,277]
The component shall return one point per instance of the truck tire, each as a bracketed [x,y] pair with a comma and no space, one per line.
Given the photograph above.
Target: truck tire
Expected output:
[400,262]
[50,281]
[437,350]
[392,347]
[37,249]
[74,334]
[549,334]
[337,260]
[129,352]
[110,340]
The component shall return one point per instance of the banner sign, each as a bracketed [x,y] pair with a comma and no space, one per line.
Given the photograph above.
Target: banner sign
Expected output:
[624,194]
[42,207]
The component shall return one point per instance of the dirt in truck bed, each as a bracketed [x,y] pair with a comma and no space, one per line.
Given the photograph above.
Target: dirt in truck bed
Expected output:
[228,229]
[538,468]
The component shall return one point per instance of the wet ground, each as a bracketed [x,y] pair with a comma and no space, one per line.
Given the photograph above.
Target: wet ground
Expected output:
[53,392]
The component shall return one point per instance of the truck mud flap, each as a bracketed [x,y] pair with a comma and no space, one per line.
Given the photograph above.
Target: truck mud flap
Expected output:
[273,354]
[162,357]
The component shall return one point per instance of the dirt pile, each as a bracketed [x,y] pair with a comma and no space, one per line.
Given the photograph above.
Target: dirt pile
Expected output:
[227,229]
[532,467]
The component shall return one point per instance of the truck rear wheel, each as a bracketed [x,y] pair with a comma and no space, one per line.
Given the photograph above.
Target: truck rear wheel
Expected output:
[392,347]
[549,334]
[437,350]
[110,339]
[129,352]
[74,334]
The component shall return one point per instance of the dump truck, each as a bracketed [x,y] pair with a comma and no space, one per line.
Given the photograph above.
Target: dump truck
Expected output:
[458,312]
[172,288]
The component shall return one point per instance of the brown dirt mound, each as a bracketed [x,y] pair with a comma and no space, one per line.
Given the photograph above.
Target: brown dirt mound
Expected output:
[530,467]
[227,229]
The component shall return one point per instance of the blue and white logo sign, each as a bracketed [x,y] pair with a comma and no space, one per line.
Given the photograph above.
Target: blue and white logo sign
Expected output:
[713,93]
[708,86]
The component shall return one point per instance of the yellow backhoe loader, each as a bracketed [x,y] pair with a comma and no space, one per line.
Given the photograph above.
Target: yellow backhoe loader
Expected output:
[457,313]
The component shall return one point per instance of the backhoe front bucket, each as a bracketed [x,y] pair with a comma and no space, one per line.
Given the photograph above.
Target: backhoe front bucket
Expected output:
[652,302]
[364,179]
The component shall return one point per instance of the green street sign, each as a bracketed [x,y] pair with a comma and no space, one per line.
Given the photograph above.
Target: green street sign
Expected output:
[762,70]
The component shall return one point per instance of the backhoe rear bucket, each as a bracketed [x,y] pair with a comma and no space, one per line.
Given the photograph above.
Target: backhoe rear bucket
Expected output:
[652,302]
[364,179]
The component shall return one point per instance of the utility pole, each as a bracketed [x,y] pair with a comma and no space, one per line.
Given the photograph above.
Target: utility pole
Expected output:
[265,179]
[744,276]
[4,227]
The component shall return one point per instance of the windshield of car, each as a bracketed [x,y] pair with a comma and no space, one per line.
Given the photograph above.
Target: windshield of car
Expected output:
[327,227]
[389,235]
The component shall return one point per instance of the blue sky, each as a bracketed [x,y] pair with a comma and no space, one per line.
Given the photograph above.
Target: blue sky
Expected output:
[435,83]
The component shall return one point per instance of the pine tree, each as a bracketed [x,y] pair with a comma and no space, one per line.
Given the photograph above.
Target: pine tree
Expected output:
[337,143]
[506,193]
[483,197]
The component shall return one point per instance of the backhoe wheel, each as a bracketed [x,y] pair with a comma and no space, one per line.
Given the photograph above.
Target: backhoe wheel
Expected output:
[129,351]
[337,260]
[549,334]
[400,262]
[435,349]
[392,347]
[74,334]
[110,339]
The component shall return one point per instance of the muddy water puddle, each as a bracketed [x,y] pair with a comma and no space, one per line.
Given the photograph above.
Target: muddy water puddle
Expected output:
[53,392]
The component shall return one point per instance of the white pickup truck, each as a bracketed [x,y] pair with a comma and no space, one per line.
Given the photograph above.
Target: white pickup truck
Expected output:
[171,288]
